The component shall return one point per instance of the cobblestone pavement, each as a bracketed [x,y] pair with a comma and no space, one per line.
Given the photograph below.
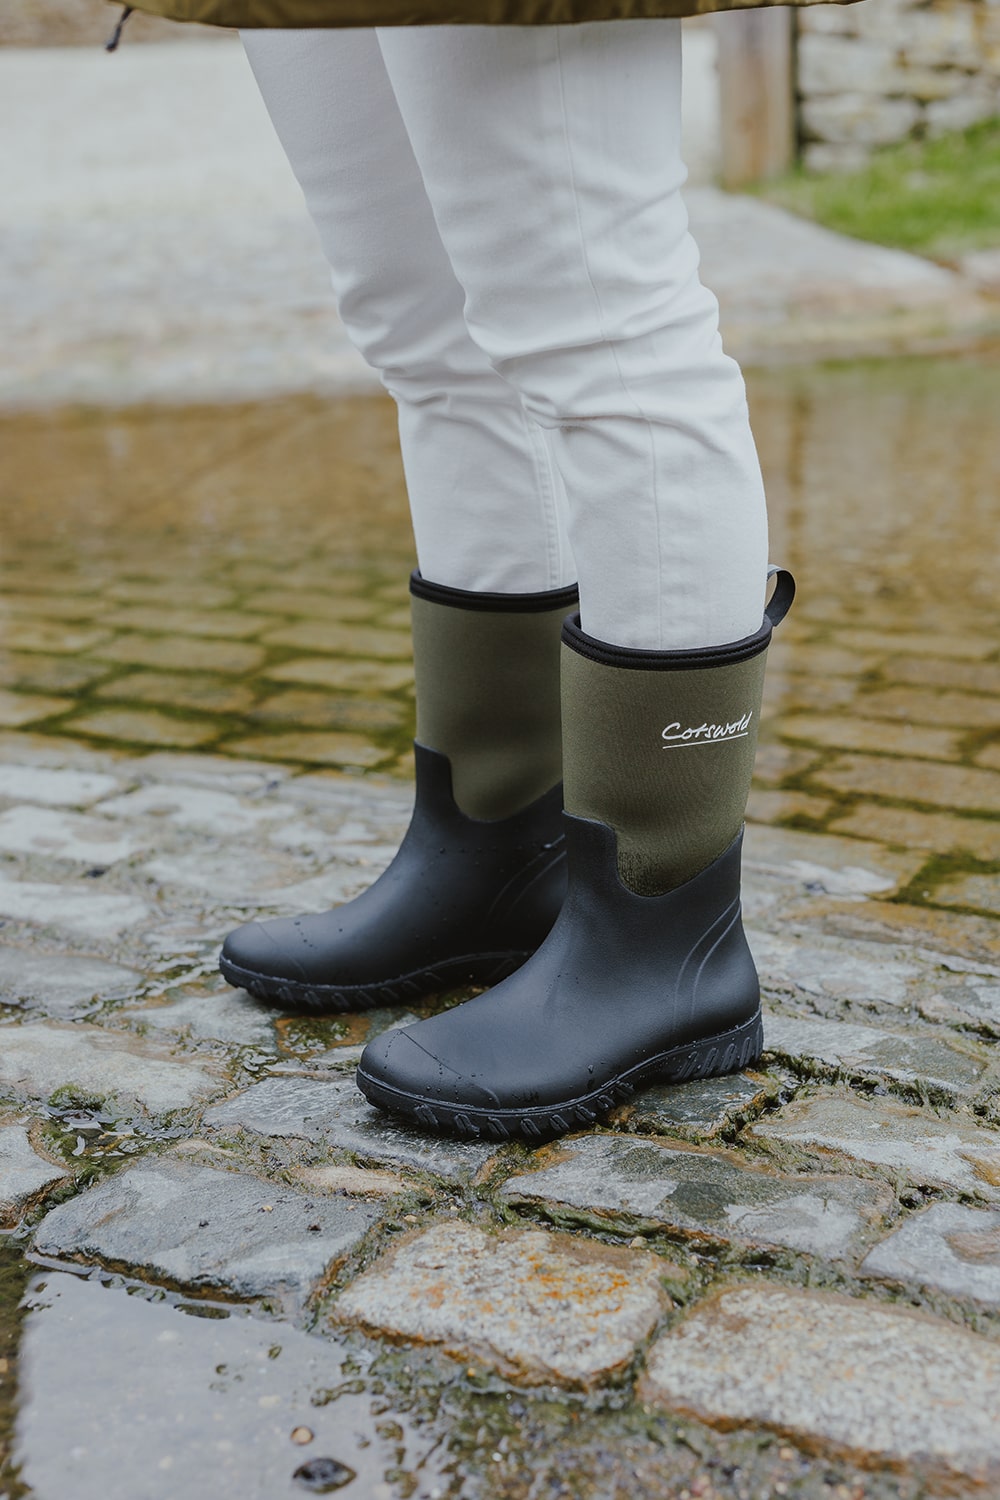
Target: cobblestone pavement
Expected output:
[782,1283]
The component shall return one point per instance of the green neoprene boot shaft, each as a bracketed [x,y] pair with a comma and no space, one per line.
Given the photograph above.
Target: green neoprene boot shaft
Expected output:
[487,681]
[660,746]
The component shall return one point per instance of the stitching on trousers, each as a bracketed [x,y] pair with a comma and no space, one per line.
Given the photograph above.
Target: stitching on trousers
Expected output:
[549,500]
[557,31]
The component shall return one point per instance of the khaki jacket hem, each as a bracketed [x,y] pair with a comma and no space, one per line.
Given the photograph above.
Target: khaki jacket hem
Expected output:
[308,14]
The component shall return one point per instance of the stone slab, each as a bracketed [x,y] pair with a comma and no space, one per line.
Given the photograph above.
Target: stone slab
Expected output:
[820,863]
[87,1063]
[627,1182]
[244,777]
[922,781]
[538,1306]
[358,1182]
[333,1112]
[771,806]
[93,914]
[336,884]
[224,873]
[62,984]
[976,1005]
[965,646]
[948,935]
[328,747]
[931,1063]
[837,731]
[163,620]
[17,709]
[982,891]
[207,809]
[880,1384]
[343,640]
[55,788]
[176,1221]
[941,832]
[199,656]
[919,705]
[24,748]
[49,636]
[110,1381]
[56,834]
[337,672]
[948,1246]
[830,969]
[699,1110]
[214,1015]
[144,726]
[909,1143]
[24,1175]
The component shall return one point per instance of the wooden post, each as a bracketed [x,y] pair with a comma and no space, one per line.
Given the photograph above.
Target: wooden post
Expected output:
[756,93]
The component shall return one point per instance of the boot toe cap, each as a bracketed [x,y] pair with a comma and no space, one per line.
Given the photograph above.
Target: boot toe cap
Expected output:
[396,1060]
[257,948]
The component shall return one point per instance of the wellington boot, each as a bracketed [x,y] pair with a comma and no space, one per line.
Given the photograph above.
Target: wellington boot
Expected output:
[481,874]
[647,975]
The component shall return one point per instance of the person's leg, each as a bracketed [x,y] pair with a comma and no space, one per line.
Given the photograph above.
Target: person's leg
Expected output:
[558,202]
[551,156]
[480,876]
[486,505]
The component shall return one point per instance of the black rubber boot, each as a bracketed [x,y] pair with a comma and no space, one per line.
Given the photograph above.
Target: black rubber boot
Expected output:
[480,876]
[647,975]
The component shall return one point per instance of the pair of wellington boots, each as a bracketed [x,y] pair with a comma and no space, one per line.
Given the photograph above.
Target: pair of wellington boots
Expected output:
[615,926]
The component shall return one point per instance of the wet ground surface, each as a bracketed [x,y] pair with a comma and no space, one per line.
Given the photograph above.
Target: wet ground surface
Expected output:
[242,1280]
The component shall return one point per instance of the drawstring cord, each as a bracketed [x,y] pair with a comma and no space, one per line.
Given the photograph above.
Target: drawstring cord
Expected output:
[111,45]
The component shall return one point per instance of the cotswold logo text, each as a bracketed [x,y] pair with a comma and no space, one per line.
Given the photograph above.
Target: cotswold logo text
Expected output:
[676,738]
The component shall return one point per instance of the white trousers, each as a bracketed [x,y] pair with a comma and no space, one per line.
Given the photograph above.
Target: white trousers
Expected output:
[501,210]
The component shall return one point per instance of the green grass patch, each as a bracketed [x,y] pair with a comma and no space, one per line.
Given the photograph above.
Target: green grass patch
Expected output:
[939,198]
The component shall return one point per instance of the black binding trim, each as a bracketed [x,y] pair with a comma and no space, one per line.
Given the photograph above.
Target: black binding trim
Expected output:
[521,604]
[697,658]
[663,661]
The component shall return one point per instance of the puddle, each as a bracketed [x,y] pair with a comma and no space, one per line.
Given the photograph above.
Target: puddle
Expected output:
[226,1405]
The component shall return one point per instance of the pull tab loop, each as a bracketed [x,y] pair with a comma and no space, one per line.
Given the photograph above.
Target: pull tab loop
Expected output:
[782,595]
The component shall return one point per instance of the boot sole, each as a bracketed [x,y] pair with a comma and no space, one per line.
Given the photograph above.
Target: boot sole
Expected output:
[324,999]
[728,1052]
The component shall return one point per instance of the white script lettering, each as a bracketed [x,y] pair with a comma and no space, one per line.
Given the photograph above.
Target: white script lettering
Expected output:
[705,734]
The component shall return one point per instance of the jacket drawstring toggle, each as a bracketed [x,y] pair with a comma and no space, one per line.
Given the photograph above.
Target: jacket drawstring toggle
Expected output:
[111,45]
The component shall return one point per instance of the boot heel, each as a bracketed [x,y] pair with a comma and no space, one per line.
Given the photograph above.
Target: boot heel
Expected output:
[716,1056]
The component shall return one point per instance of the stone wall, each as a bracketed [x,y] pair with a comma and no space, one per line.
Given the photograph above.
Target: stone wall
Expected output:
[883,71]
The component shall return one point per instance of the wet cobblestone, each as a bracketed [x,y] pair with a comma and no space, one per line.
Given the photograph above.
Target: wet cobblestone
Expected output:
[199,1227]
[911,1386]
[634,1184]
[539,1306]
